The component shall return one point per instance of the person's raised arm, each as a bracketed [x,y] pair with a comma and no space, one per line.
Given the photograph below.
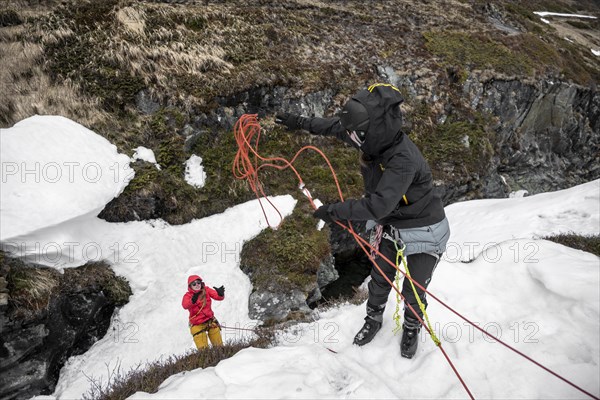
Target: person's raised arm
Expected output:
[315,125]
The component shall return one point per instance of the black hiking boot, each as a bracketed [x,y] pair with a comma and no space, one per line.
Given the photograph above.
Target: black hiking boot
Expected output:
[410,337]
[367,332]
[372,325]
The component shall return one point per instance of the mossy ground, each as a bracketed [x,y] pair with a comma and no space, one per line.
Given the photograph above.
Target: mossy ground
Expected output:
[457,149]
[522,55]
[288,257]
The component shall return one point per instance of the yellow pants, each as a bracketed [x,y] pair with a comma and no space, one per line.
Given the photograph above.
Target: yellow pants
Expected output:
[199,333]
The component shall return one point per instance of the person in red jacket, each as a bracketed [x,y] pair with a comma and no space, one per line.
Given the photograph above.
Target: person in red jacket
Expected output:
[198,301]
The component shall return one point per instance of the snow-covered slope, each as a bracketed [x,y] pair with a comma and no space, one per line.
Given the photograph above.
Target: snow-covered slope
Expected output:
[538,296]
[53,170]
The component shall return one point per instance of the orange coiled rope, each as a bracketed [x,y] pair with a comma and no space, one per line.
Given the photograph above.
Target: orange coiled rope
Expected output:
[246,166]
[248,162]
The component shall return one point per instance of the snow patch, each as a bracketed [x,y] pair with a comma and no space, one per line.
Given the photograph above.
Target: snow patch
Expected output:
[553,14]
[194,171]
[517,194]
[54,170]
[145,154]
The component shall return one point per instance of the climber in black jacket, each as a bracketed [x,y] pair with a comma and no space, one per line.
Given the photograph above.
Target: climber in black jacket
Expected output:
[399,197]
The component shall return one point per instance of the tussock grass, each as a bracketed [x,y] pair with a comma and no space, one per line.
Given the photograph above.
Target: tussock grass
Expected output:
[33,288]
[27,90]
[188,55]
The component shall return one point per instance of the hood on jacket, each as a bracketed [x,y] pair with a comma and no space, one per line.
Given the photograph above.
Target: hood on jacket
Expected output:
[191,279]
[382,103]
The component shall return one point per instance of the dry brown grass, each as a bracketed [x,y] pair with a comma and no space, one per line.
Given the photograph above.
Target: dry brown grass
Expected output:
[591,243]
[185,55]
[31,289]
[26,89]
[359,296]
[147,378]
[163,51]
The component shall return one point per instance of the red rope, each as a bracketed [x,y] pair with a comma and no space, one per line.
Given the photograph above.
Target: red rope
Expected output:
[247,164]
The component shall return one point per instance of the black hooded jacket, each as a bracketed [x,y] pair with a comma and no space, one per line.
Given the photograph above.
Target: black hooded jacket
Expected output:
[398,181]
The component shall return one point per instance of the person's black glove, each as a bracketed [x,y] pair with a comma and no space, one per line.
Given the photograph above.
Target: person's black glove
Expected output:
[323,213]
[195,297]
[220,290]
[290,121]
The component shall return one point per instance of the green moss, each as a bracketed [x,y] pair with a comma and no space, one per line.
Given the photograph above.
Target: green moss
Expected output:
[543,53]
[475,51]
[525,54]
[97,275]
[464,143]
[145,175]
[118,290]
[223,190]
[573,67]
[160,194]
[166,122]
[288,257]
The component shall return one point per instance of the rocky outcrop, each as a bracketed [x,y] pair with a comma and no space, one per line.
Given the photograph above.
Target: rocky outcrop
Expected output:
[267,305]
[50,317]
[274,304]
[548,134]
[326,274]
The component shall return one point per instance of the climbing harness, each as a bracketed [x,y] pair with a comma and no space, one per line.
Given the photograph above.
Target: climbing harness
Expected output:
[247,164]
[207,325]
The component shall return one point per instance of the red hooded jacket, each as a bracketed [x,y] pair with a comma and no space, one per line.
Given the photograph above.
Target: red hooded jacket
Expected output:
[200,311]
